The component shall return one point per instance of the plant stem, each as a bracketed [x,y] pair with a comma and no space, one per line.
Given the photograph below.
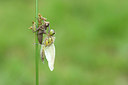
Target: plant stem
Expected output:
[36,48]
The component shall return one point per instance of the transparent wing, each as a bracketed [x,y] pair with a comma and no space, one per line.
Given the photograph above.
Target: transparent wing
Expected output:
[50,56]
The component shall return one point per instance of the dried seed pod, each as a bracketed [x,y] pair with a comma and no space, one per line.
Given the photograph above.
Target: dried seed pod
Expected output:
[33,26]
[41,18]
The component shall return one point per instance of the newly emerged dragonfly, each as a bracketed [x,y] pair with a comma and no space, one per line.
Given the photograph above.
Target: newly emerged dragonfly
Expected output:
[48,49]
[47,45]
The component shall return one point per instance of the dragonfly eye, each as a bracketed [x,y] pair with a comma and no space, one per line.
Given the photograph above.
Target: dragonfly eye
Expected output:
[52,32]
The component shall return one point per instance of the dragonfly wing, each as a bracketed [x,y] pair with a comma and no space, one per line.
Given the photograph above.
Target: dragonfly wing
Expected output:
[50,56]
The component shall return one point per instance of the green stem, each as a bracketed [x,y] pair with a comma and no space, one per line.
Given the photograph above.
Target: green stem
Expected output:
[36,48]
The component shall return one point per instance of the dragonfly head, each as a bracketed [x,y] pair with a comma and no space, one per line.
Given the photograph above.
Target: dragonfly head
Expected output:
[51,32]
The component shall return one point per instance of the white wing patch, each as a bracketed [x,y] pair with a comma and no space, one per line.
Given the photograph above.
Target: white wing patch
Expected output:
[50,56]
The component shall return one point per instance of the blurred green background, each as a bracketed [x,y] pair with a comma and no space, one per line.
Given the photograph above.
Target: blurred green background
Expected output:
[91,42]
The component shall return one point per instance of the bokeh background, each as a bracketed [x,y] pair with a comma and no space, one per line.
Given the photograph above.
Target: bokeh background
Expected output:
[91,42]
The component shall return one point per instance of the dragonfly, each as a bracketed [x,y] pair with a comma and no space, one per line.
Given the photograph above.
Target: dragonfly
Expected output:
[48,49]
[47,45]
